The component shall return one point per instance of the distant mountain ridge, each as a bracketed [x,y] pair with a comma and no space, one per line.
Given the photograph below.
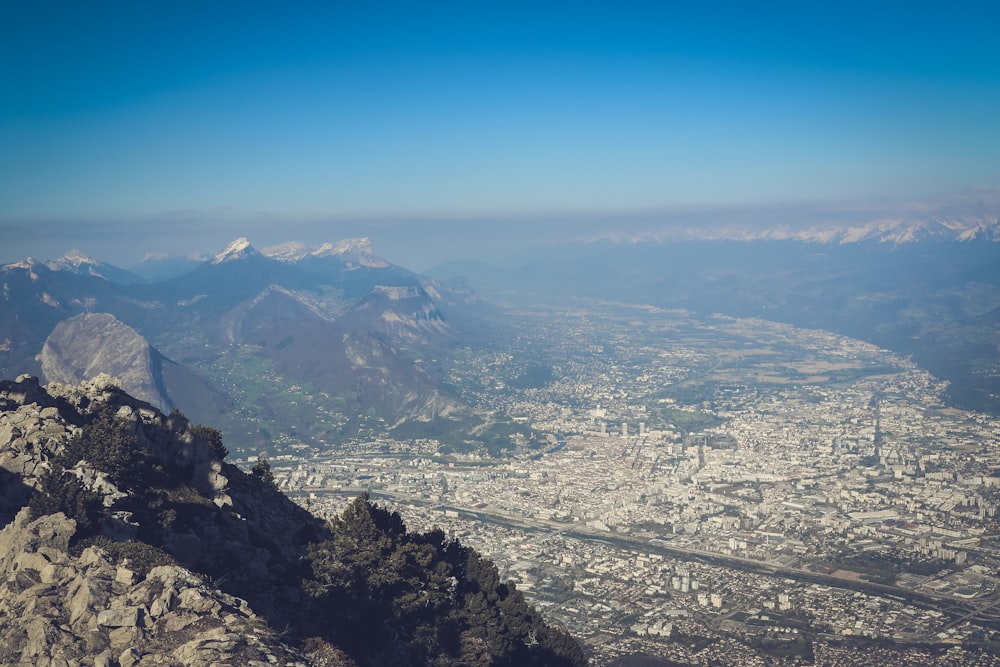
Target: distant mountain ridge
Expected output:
[78,262]
[357,251]
[337,317]
[268,331]
[891,231]
[932,300]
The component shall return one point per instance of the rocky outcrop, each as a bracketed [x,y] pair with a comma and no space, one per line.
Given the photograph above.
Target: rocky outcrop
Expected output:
[82,347]
[61,609]
[37,422]
[70,604]
[32,429]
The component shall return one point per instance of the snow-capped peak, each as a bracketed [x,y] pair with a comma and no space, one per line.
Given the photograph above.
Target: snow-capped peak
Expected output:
[74,258]
[238,249]
[359,245]
[27,263]
[79,263]
[292,251]
[76,261]
[356,251]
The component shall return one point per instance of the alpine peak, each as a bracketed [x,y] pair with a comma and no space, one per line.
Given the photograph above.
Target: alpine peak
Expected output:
[356,251]
[238,249]
[291,251]
[28,263]
[72,258]
[350,251]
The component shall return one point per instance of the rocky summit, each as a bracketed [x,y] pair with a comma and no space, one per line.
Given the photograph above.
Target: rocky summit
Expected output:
[126,539]
[66,604]
[64,609]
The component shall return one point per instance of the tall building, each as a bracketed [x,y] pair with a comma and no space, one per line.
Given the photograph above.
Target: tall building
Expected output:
[878,428]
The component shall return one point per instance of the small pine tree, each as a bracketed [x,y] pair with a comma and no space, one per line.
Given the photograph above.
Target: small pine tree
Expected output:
[110,445]
[213,437]
[262,471]
[62,491]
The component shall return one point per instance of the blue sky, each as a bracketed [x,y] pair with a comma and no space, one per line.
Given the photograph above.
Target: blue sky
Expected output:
[124,125]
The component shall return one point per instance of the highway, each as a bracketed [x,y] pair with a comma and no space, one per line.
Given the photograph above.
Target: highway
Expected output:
[955,611]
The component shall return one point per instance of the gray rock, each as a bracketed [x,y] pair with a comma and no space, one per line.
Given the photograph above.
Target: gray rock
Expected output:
[211,646]
[178,620]
[129,657]
[91,556]
[26,389]
[126,617]
[123,637]
[23,535]
[8,431]
[192,599]
[105,659]
[32,560]
[125,576]
[81,346]
[159,607]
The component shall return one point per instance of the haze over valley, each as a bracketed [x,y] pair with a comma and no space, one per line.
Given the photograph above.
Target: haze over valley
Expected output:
[625,334]
[645,437]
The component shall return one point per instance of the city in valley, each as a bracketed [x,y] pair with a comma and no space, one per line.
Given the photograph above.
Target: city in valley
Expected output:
[705,489]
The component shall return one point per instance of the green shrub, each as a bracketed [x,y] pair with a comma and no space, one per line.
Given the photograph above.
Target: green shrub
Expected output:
[213,437]
[62,491]
[137,556]
[110,445]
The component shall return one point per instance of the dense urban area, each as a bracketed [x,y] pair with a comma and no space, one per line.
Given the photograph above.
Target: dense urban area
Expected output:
[708,490]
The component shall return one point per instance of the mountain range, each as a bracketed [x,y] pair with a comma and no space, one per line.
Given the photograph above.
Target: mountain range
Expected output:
[890,230]
[336,319]
[318,344]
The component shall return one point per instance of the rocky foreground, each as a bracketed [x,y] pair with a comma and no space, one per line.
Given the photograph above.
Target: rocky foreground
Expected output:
[63,605]
[126,539]
[60,609]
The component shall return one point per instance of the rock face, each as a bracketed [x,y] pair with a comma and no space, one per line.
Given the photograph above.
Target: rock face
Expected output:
[37,422]
[67,603]
[60,609]
[82,347]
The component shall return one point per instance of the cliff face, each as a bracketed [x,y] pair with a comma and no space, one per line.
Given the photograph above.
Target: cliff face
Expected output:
[82,347]
[86,345]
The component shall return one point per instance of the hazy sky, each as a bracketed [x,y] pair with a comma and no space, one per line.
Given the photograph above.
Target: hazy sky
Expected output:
[126,125]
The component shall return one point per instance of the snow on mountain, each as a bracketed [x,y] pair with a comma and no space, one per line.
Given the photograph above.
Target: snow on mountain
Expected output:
[899,230]
[80,263]
[26,264]
[238,249]
[72,259]
[888,230]
[356,252]
[352,251]
[291,251]
[161,266]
